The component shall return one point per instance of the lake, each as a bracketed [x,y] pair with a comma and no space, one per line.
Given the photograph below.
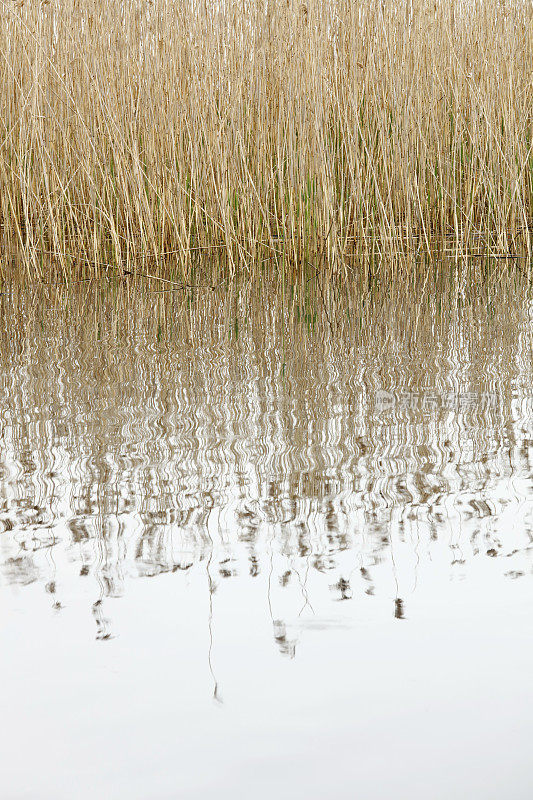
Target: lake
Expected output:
[251,549]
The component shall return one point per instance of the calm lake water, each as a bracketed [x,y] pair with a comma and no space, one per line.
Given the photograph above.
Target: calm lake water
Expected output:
[243,556]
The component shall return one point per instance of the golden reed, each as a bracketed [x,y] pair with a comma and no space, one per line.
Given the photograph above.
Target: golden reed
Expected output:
[142,135]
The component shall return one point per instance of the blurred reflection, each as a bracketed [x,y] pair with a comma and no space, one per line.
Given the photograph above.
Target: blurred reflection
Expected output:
[326,460]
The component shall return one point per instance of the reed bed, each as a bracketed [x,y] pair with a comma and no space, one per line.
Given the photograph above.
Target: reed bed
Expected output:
[198,142]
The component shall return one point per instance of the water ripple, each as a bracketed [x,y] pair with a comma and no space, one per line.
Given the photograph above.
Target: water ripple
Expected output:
[333,467]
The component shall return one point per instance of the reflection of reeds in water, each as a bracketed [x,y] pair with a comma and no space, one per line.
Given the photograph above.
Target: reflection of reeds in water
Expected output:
[265,133]
[130,448]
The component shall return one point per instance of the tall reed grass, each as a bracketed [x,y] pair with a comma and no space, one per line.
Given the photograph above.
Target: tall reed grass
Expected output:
[135,136]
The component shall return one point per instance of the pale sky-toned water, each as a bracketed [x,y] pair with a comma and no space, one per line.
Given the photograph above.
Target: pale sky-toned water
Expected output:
[265,566]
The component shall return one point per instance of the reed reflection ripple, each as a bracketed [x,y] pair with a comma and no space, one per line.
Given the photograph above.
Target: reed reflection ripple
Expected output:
[136,442]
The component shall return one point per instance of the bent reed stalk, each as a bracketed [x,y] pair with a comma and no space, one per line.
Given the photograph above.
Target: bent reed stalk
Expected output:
[149,133]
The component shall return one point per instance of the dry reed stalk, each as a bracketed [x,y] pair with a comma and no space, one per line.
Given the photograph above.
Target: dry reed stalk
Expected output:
[272,131]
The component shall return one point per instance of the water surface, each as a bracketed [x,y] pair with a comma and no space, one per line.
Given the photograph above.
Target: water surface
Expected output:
[243,555]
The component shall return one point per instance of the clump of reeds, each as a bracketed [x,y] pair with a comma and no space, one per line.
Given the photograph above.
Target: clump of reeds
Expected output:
[137,135]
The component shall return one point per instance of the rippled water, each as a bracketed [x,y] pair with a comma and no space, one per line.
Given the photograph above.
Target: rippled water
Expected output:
[243,557]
